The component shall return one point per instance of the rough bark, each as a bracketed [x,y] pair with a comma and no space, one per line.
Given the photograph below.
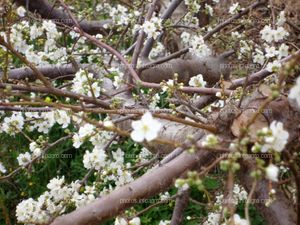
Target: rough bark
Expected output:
[211,68]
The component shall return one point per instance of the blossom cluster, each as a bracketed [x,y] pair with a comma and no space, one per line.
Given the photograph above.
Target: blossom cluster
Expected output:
[239,195]
[196,44]
[84,83]
[26,38]
[54,201]
[273,138]
[152,27]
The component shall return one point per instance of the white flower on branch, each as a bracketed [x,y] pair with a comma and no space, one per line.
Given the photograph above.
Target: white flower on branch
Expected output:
[21,11]
[152,28]
[271,52]
[198,47]
[24,158]
[280,34]
[283,51]
[259,57]
[119,15]
[212,219]
[13,124]
[95,159]
[234,8]
[197,81]
[135,221]
[35,149]
[2,168]
[239,221]
[209,10]
[277,140]
[29,211]
[281,19]
[185,37]
[145,128]
[157,51]
[62,118]
[56,183]
[273,66]
[165,222]
[268,34]
[272,172]
[295,92]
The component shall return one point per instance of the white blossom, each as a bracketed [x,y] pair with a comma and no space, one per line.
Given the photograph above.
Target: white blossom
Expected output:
[295,92]
[212,219]
[209,9]
[234,8]
[152,28]
[62,118]
[135,221]
[169,84]
[283,51]
[95,159]
[237,220]
[119,15]
[165,222]
[273,66]
[271,52]
[157,51]
[35,149]
[198,47]
[267,33]
[281,19]
[120,221]
[259,58]
[2,168]
[13,124]
[272,172]
[21,11]
[55,183]
[29,211]
[24,158]
[185,37]
[279,34]
[278,139]
[145,128]
[35,31]
[197,81]
[84,83]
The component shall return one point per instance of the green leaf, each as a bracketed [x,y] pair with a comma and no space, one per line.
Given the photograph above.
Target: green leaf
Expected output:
[211,183]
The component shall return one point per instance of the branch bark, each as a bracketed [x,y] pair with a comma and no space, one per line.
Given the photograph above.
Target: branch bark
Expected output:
[148,185]
[181,203]
[47,11]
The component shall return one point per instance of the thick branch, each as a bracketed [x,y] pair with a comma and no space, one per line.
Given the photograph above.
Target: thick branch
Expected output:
[47,11]
[144,187]
[181,203]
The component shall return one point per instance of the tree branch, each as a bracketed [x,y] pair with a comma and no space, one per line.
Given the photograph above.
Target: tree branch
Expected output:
[47,11]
